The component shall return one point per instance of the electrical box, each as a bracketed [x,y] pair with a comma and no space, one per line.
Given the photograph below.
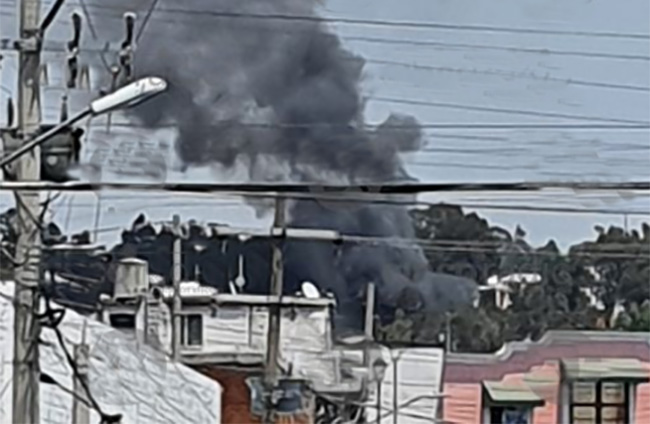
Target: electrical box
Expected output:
[58,154]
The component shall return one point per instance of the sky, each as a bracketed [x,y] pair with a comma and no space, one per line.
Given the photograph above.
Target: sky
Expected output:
[458,77]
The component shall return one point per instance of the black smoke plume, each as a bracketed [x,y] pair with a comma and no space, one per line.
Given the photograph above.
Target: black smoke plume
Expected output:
[283,98]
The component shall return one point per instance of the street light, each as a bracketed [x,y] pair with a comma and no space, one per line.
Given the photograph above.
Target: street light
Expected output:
[126,97]
[379,370]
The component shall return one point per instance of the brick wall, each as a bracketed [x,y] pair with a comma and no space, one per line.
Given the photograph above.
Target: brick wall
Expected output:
[235,399]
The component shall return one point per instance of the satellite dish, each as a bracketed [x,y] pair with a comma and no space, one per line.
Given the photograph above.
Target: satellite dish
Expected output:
[310,290]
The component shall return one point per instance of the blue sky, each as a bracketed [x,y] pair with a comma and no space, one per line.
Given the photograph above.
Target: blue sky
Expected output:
[465,77]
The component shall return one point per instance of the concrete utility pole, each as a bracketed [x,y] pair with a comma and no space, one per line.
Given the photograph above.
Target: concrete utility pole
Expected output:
[26,373]
[176,280]
[275,311]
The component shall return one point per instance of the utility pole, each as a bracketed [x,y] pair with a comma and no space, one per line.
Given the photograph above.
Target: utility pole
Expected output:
[176,280]
[26,373]
[275,311]
[369,324]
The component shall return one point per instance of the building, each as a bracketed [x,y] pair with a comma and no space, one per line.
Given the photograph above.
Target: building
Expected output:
[499,288]
[224,335]
[124,376]
[410,387]
[565,377]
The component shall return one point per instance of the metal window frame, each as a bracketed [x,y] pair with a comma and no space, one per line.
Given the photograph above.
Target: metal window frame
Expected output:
[599,404]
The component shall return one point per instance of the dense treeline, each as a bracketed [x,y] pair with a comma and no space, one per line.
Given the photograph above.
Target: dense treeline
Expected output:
[599,284]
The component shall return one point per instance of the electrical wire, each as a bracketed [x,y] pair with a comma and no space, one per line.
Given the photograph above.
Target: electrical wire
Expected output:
[509,75]
[50,313]
[604,250]
[362,200]
[455,126]
[374,188]
[487,72]
[385,23]
[504,110]
[540,51]
[154,3]
[93,32]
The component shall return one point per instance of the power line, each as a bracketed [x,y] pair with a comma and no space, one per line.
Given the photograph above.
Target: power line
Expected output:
[503,110]
[507,74]
[360,199]
[611,250]
[93,32]
[152,7]
[394,188]
[541,51]
[488,72]
[387,23]
[397,41]
[455,126]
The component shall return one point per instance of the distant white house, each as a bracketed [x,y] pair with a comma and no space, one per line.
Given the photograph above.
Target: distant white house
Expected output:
[125,377]
[502,286]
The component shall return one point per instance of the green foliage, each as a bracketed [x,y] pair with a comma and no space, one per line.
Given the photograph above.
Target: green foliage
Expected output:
[578,290]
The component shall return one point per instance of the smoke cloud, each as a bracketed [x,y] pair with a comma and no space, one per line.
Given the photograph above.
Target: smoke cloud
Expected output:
[283,98]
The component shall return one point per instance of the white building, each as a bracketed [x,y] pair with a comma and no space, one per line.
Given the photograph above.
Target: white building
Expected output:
[503,286]
[229,328]
[125,376]
[410,387]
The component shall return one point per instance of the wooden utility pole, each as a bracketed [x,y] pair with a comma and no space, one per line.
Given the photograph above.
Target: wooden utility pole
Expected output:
[275,311]
[176,280]
[26,373]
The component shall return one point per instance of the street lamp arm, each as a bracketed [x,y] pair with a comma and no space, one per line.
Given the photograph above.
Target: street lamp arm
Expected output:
[126,96]
[42,138]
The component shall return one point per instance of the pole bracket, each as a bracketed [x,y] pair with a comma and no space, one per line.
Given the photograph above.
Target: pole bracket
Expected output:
[30,44]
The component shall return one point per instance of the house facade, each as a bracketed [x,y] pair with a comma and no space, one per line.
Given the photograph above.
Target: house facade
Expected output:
[565,377]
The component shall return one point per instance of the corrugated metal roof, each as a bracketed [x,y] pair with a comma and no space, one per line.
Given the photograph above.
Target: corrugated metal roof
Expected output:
[605,369]
[125,376]
[504,392]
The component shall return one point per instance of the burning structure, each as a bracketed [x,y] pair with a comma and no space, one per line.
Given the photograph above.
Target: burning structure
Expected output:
[268,87]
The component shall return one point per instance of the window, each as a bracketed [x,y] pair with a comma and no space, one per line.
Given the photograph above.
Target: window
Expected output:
[509,415]
[122,321]
[192,330]
[601,402]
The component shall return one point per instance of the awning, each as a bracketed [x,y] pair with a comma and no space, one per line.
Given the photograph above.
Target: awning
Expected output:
[500,393]
[612,369]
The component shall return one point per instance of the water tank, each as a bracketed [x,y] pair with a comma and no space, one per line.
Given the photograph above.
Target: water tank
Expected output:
[131,278]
